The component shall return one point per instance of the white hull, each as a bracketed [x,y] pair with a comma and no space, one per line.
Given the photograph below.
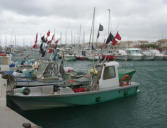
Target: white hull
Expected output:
[93,58]
[158,57]
[148,57]
[133,57]
[68,58]
[124,58]
[165,57]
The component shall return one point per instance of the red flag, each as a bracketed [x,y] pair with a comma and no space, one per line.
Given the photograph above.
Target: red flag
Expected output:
[118,36]
[34,46]
[50,50]
[36,40]
[56,42]
[48,33]
[114,42]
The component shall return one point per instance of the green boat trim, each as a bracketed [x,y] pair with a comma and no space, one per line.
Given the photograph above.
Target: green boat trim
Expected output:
[123,72]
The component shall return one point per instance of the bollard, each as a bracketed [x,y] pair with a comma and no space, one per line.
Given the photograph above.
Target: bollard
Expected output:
[26,125]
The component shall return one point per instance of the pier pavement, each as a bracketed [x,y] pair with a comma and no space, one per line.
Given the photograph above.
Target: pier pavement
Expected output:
[8,117]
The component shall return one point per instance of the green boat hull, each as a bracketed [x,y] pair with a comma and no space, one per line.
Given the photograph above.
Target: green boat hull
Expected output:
[85,98]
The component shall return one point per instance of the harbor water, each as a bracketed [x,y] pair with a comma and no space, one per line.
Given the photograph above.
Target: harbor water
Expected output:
[147,109]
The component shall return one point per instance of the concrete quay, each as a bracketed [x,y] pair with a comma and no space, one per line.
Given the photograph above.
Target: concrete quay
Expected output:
[8,117]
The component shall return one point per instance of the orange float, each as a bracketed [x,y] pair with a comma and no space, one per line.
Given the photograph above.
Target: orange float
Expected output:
[127,78]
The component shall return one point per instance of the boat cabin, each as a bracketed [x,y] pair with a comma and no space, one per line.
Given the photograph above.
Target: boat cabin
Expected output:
[133,51]
[109,75]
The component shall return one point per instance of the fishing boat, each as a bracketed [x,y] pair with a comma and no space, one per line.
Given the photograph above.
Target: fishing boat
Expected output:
[106,84]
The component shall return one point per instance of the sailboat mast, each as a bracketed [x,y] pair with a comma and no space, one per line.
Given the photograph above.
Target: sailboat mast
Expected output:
[80,34]
[93,24]
[15,41]
[66,37]
[92,29]
[54,35]
[90,36]
[71,37]
[83,41]
[109,17]
[60,38]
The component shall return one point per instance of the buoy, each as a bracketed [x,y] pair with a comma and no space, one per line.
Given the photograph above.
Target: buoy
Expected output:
[26,125]
[93,71]
[25,90]
[127,78]
[71,81]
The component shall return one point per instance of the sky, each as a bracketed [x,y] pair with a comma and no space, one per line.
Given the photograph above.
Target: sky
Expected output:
[20,20]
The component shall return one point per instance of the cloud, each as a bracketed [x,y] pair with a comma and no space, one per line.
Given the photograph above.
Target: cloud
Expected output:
[134,19]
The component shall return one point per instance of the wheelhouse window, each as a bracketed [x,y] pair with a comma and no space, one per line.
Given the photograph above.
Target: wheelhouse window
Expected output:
[109,73]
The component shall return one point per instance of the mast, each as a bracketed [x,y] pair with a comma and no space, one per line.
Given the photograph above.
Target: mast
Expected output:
[79,39]
[93,23]
[90,36]
[92,28]
[15,41]
[6,41]
[109,17]
[66,37]
[83,41]
[54,35]
[60,38]
[71,37]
